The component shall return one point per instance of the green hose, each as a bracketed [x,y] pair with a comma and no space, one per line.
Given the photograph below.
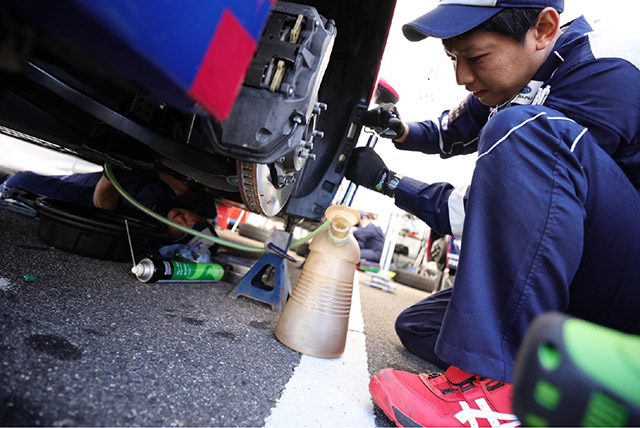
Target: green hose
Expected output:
[318,229]
[109,173]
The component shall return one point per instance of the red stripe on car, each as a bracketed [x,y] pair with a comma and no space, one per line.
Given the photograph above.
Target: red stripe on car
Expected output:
[224,66]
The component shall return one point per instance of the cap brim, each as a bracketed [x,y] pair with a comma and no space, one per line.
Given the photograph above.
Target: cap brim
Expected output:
[447,20]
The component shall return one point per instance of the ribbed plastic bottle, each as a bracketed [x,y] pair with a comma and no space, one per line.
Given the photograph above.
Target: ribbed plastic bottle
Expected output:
[315,320]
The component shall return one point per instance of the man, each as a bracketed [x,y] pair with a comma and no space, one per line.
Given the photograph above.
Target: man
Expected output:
[162,192]
[370,239]
[551,219]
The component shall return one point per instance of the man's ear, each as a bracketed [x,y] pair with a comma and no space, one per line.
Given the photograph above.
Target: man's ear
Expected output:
[546,28]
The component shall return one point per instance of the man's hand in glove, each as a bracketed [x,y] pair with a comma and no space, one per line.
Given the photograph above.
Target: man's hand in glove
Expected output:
[367,169]
[385,120]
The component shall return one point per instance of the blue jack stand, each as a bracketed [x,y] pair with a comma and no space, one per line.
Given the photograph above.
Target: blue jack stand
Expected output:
[275,256]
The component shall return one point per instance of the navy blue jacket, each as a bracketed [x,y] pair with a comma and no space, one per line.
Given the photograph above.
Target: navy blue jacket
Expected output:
[591,78]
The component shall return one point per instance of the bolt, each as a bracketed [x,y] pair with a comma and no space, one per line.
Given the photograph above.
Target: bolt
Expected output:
[319,107]
[305,155]
[318,134]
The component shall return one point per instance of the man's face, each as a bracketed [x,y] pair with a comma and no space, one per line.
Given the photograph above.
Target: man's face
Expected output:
[493,67]
[185,218]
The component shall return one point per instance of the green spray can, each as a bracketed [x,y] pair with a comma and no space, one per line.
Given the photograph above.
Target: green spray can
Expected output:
[152,270]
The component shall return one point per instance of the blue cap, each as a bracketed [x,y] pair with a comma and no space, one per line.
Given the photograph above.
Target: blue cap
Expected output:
[454,17]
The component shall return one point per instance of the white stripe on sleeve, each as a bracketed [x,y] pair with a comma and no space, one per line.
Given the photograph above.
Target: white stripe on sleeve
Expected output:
[456,210]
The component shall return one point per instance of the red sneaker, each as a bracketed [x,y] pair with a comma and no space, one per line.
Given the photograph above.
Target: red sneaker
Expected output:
[455,398]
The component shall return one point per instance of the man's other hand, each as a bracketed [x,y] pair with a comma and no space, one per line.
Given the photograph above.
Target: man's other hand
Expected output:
[365,168]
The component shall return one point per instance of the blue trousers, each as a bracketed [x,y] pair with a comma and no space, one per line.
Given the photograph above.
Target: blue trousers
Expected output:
[79,188]
[552,224]
[370,255]
[76,188]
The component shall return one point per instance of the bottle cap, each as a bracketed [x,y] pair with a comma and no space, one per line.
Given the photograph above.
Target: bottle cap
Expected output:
[341,218]
[340,227]
[350,214]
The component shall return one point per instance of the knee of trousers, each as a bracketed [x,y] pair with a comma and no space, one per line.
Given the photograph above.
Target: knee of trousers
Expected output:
[424,318]
[410,330]
[401,325]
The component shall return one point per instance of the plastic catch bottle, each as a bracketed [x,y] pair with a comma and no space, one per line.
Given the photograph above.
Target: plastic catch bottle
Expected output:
[315,320]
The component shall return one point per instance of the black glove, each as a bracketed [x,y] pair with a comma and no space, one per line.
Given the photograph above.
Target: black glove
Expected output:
[365,168]
[385,120]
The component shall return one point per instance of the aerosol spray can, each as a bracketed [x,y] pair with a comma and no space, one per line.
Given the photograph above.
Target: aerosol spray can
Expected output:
[152,270]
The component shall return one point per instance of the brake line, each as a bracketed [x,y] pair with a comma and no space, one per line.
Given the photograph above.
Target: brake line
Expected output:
[111,176]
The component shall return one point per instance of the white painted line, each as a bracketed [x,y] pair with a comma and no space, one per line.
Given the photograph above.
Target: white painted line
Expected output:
[334,392]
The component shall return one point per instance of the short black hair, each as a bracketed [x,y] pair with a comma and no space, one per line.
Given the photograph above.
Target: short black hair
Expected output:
[513,22]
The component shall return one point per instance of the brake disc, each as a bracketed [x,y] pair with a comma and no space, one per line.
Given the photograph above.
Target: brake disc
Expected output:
[265,188]
[258,191]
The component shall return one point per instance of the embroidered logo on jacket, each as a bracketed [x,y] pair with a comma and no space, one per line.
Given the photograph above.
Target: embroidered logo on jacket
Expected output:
[454,114]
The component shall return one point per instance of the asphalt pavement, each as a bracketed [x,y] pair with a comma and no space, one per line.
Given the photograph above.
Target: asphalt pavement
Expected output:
[83,343]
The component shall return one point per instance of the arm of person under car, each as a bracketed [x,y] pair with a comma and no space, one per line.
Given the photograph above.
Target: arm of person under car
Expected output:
[105,195]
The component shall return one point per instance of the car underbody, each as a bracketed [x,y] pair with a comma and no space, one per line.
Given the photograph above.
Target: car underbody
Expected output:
[74,86]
